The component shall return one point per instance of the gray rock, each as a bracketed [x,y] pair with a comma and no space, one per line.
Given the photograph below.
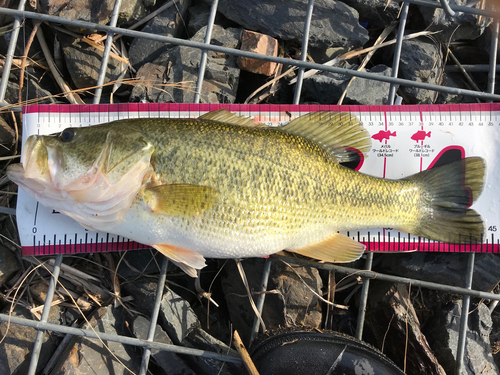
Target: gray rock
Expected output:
[140,262]
[199,339]
[89,356]
[168,361]
[327,88]
[461,26]
[421,61]
[98,11]
[446,269]
[7,137]
[168,23]
[83,62]
[442,333]
[378,13]
[177,317]
[198,17]
[179,65]
[302,307]
[34,91]
[291,304]
[333,23]
[454,80]
[15,351]
[391,318]
[144,293]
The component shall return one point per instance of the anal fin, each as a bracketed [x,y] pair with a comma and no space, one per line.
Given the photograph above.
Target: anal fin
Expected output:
[337,248]
[187,260]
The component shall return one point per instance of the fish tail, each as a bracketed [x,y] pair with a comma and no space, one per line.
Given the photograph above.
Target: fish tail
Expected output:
[448,192]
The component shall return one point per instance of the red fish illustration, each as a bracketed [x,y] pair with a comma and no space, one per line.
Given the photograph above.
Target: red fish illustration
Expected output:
[383,134]
[420,135]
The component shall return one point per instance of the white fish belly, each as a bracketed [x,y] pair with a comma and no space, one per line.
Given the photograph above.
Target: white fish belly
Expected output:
[231,241]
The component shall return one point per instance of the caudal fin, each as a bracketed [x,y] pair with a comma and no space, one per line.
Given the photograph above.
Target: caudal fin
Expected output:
[449,191]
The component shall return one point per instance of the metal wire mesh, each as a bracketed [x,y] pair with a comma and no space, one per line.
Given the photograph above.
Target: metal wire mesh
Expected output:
[20,15]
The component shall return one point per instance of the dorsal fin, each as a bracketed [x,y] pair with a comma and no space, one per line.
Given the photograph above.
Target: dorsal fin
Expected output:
[335,131]
[222,115]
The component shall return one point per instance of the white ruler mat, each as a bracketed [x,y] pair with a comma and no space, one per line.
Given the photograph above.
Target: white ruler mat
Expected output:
[405,140]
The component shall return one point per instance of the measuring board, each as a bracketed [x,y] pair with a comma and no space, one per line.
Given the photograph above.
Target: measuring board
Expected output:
[405,140]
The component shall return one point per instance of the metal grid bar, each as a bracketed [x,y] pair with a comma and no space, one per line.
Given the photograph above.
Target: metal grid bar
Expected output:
[37,346]
[117,338]
[204,52]
[252,55]
[364,298]
[303,57]
[367,274]
[10,52]
[464,317]
[397,51]
[154,315]
[107,50]
[261,299]
[493,58]
[395,279]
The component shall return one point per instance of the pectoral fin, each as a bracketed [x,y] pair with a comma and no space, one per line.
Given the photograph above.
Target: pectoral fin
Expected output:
[180,199]
[187,260]
[335,249]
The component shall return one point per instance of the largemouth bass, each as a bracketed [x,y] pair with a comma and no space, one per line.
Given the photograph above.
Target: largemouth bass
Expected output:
[221,187]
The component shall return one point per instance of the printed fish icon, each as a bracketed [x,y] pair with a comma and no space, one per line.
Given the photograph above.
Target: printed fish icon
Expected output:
[420,135]
[383,134]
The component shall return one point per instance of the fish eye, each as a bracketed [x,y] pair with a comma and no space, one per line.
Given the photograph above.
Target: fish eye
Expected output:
[67,135]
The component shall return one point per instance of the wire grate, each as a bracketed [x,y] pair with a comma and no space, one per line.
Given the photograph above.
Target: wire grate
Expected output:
[21,15]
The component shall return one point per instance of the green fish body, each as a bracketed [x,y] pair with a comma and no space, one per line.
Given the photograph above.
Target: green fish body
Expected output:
[221,187]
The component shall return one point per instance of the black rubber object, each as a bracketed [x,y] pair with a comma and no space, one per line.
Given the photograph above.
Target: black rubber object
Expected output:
[319,354]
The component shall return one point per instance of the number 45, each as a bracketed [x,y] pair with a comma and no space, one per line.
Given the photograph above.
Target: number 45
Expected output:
[492,228]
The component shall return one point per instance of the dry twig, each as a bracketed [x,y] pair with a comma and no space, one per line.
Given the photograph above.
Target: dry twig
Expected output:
[247,361]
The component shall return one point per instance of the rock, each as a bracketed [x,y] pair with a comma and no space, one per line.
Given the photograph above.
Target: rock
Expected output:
[198,17]
[388,314]
[15,353]
[140,262]
[442,333]
[34,91]
[333,22]
[168,23]
[461,26]
[83,62]
[168,361]
[89,356]
[377,13]
[98,11]
[7,139]
[446,269]
[291,303]
[180,65]
[454,80]
[421,61]
[144,293]
[199,339]
[262,44]
[302,307]
[327,88]
[177,317]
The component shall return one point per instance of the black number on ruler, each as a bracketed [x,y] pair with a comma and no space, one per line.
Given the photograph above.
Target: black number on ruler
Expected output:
[492,228]
[34,230]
